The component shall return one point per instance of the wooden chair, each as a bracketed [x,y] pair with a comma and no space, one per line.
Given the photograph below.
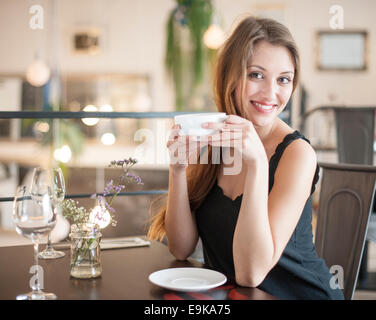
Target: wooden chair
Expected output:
[346,201]
[355,134]
[355,127]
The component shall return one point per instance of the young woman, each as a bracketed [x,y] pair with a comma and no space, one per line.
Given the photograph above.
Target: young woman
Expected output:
[254,225]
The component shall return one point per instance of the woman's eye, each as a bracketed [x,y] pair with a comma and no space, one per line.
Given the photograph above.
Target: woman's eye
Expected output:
[285,80]
[255,75]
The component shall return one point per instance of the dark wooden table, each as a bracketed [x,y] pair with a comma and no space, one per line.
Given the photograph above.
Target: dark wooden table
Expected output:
[124,277]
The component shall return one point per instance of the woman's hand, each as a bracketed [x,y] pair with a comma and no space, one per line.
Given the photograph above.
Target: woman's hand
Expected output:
[240,134]
[182,149]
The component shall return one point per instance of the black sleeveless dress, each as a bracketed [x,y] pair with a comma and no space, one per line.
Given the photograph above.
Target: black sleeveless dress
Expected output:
[299,273]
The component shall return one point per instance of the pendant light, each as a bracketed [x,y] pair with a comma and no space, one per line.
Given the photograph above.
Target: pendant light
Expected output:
[38,73]
[214,36]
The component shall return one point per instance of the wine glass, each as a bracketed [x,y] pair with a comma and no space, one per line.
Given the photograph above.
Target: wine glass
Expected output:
[33,219]
[39,184]
[58,185]
[41,180]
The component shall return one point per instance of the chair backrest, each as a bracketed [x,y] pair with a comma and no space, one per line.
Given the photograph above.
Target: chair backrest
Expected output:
[346,200]
[355,129]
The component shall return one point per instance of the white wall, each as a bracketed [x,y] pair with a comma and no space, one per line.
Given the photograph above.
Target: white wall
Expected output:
[350,88]
[135,41]
[134,33]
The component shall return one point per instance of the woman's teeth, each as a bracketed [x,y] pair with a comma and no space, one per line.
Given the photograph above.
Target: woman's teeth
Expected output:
[264,107]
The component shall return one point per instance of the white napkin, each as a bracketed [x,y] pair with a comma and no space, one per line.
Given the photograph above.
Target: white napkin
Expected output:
[112,243]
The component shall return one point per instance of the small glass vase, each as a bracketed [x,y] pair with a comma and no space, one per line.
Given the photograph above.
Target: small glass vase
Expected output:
[85,251]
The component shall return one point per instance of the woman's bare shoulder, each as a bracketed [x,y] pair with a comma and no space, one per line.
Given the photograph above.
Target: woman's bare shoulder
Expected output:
[297,148]
[280,132]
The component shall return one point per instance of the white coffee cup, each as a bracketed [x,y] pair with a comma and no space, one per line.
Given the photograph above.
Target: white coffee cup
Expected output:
[191,123]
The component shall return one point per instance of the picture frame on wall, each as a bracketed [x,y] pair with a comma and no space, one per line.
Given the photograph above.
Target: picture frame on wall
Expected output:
[86,40]
[342,50]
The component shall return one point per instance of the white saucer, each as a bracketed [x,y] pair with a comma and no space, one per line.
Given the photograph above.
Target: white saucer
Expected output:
[187,279]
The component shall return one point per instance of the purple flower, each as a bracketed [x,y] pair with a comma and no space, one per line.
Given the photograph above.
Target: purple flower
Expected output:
[113,189]
[108,207]
[108,187]
[79,214]
[134,177]
[117,189]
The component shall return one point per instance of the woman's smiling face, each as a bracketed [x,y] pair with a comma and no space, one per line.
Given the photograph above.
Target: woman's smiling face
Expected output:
[269,83]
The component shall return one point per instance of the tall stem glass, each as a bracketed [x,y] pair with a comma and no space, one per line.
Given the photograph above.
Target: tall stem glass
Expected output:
[34,219]
[54,179]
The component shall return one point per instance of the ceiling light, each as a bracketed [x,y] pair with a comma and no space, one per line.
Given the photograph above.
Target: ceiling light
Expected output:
[214,36]
[63,154]
[108,138]
[38,73]
[90,121]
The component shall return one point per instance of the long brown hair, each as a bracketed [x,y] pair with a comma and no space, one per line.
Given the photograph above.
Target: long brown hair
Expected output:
[231,66]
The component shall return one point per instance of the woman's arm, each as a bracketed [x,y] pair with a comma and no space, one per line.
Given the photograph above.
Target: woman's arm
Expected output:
[266,222]
[180,224]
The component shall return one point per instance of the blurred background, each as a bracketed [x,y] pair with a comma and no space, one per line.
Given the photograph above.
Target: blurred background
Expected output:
[155,56]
